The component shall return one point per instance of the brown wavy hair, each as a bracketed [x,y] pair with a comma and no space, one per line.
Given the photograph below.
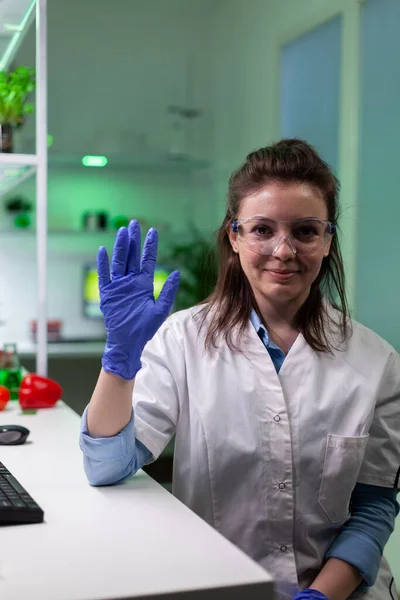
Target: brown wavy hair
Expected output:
[229,306]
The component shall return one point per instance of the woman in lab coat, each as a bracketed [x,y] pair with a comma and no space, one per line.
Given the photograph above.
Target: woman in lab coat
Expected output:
[286,413]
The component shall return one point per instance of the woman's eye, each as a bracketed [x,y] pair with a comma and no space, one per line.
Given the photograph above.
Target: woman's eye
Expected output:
[262,230]
[306,232]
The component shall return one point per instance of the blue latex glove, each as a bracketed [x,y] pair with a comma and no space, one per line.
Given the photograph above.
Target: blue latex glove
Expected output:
[131,315]
[310,594]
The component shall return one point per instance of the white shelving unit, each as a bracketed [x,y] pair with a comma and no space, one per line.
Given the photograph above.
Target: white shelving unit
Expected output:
[14,168]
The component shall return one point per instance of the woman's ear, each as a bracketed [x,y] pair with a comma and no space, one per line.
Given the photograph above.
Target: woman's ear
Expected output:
[233,239]
[327,248]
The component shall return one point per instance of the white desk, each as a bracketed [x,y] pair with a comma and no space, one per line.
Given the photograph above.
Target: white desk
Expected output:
[129,541]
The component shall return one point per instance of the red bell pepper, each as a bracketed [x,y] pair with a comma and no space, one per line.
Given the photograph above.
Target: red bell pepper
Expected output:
[4,396]
[37,391]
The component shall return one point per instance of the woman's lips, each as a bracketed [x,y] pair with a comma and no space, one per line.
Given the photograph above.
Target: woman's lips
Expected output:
[281,275]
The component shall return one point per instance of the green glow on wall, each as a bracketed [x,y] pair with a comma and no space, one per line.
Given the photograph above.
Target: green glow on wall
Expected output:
[94,161]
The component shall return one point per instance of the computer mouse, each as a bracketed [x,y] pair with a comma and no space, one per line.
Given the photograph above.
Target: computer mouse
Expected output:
[12,435]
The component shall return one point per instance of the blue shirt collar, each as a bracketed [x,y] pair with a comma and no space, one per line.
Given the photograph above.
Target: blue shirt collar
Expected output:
[263,333]
[259,326]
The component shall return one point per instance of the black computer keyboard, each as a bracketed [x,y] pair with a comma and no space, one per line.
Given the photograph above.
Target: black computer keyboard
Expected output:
[16,505]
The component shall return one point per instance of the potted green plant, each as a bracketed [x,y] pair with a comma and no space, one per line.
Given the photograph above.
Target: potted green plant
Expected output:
[197,262]
[18,209]
[14,89]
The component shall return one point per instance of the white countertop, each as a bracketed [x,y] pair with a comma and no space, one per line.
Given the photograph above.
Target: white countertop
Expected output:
[125,542]
[85,348]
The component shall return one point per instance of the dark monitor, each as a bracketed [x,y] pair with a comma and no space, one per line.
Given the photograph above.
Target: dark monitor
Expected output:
[91,297]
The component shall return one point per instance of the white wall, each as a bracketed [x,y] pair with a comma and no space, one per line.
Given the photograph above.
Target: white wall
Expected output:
[66,257]
[113,71]
[114,68]
[379,212]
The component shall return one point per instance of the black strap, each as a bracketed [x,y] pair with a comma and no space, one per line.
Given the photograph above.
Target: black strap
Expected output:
[390,589]
[397,479]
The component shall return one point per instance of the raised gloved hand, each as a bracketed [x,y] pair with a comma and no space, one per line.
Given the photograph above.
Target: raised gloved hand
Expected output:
[310,594]
[131,315]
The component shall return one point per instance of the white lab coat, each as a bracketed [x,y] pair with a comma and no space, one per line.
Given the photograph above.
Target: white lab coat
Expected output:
[271,460]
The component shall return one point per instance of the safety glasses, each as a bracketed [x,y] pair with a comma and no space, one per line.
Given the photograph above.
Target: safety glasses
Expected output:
[265,236]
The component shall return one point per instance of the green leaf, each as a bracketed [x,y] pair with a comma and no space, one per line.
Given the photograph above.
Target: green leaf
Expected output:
[28,108]
[14,89]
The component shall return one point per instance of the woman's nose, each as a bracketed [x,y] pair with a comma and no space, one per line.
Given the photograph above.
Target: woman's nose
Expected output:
[285,248]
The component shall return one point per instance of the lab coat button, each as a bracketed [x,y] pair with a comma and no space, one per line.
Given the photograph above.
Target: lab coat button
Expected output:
[283,548]
[282,486]
[277,418]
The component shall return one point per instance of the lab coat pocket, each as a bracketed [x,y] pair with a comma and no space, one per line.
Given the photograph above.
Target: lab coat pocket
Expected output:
[343,459]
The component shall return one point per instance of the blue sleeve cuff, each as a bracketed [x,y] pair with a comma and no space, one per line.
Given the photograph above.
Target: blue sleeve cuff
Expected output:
[362,540]
[360,552]
[110,460]
[107,448]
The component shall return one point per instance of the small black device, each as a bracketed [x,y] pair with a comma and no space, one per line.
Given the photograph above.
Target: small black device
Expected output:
[12,435]
[16,505]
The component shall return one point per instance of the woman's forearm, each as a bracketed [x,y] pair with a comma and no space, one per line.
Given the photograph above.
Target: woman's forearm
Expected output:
[337,579]
[110,408]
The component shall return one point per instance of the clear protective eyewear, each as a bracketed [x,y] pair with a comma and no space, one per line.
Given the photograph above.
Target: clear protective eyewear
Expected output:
[264,236]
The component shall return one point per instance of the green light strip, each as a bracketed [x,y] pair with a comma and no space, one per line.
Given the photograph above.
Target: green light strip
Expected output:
[94,161]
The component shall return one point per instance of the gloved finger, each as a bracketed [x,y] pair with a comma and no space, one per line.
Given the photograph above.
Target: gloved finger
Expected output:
[149,256]
[167,295]
[310,594]
[133,264]
[103,267]
[120,253]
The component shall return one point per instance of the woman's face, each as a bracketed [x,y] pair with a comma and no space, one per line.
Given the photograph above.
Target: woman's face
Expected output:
[284,277]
